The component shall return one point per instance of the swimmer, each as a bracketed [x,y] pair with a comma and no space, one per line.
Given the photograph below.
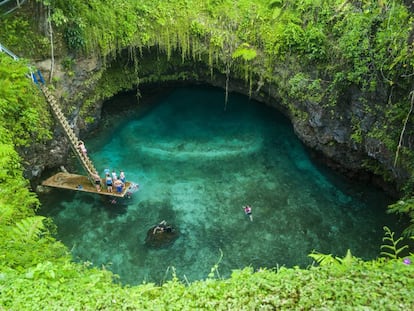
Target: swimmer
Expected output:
[160,227]
[134,187]
[248,211]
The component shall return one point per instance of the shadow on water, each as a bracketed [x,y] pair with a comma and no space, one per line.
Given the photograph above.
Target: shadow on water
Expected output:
[196,166]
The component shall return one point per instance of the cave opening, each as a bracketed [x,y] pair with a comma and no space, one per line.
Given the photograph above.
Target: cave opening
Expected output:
[197,166]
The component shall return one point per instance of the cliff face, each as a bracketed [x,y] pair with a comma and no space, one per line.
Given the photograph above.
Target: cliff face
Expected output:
[327,130]
[331,134]
[342,72]
[70,88]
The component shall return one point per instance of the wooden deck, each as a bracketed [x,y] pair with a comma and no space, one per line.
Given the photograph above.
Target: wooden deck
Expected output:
[81,183]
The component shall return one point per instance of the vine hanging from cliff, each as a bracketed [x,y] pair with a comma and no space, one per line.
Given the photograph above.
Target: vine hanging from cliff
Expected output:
[404,127]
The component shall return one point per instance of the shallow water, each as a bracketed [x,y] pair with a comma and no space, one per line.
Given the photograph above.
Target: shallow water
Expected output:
[197,165]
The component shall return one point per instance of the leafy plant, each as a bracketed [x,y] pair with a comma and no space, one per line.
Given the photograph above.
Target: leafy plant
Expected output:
[391,249]
[329,260]
[404,207]
[214,270]
[28,229]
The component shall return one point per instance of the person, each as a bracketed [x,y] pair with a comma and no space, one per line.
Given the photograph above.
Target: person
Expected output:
[97,180]
[122,176]
[133,187]
[114,177]
[82,148]
[119,185]
[108,180]
[248,211]
[160,227]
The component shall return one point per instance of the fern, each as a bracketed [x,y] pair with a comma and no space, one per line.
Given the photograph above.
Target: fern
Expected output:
[323,259]
[28,229]
[404,207]
[391,250]
[329,260]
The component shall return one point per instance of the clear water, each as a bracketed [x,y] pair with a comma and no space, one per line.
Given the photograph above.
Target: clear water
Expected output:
[197,165]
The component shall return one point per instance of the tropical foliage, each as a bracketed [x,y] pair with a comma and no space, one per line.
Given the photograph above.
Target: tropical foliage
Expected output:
[308,51]
[374,285]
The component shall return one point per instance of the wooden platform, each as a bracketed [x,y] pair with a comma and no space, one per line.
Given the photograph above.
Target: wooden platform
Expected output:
[81,183]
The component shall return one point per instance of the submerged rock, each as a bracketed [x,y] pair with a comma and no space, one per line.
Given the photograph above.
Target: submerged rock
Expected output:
[161,236]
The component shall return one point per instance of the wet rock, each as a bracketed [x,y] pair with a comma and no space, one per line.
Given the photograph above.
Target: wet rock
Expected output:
[42,189]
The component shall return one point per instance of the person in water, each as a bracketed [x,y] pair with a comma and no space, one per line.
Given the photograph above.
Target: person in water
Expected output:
[248,211]
[162,227]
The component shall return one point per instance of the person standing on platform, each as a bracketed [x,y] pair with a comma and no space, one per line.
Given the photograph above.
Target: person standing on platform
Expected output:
[97,180]
[122,176]
[119,185]
[114,177]
[108,180]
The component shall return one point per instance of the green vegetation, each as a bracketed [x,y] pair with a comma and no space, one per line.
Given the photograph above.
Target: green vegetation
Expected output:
[354,285]
[308,51]
[20,106]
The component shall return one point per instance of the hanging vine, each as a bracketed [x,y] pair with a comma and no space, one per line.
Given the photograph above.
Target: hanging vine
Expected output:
[404,127]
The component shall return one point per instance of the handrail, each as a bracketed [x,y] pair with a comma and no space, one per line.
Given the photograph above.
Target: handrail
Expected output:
[8,52]
[18,4]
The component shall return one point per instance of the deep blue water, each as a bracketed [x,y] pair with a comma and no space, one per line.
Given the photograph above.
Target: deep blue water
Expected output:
[197,165]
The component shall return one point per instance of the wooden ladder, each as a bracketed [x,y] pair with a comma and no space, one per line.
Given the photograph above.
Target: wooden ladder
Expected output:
[70,134]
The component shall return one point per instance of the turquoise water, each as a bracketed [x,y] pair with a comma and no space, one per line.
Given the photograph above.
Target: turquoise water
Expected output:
[197,165]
